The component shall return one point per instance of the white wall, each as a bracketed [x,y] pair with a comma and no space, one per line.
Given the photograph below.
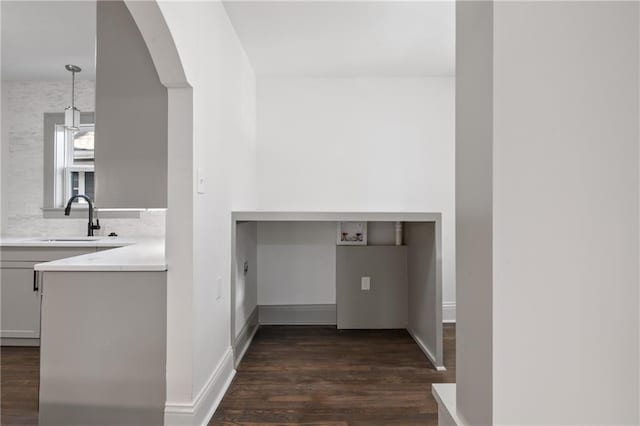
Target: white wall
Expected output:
[23,106]
[547,199]
[297,260]
[359,144]
[296,263]
[246,284]
[381,233]
[565,203]
[474,211]
[422,287]
[224,150]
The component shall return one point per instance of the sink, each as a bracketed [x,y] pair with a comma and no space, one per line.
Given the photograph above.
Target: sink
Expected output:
[68,240]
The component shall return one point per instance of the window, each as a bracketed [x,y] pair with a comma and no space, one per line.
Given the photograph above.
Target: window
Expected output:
[69,162]
[75,162]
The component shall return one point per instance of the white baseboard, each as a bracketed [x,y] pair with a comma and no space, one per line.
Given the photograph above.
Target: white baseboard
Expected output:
[297,314]
[245,337]
[426,351]
[449,312]
[12,341]
[201,409]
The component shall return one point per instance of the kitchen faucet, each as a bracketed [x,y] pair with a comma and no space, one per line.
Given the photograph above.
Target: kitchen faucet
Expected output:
[91,226]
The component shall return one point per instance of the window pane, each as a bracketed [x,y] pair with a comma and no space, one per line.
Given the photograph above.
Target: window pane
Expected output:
[60,178]
[75,183]
[83,153]
[89,185]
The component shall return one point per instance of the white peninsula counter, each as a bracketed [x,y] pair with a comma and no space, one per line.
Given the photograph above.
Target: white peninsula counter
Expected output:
[143,254]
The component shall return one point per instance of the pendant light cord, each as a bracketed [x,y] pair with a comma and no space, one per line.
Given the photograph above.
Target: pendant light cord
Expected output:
[73,89]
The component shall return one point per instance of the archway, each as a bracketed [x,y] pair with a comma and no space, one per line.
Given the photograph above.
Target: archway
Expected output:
[179,234]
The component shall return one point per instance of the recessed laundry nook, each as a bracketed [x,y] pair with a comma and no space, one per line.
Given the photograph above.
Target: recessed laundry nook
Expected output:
[352,271]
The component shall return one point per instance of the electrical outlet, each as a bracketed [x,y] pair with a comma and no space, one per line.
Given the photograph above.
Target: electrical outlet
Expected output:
[365,283]
[219,288]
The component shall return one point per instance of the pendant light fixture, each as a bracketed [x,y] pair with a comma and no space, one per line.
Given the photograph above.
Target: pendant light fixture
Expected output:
[71,113]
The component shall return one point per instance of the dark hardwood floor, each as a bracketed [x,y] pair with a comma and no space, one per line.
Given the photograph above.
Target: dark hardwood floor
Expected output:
[292,375]
[19,379]
[322,376]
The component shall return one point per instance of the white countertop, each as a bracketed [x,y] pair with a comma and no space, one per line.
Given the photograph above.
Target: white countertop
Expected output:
[127,254]
[66,241]
[264,215]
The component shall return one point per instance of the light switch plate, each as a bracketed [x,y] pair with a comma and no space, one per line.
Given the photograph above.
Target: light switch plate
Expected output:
[365,283]
[200,181]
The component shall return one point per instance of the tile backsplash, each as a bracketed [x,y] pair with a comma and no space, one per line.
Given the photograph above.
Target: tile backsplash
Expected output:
[23,106]
[150,224]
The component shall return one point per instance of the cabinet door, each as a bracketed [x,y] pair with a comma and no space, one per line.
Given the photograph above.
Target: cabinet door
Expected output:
[20,315]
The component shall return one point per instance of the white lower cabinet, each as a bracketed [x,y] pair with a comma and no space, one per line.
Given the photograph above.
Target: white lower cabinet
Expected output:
[20,292]
[20,301]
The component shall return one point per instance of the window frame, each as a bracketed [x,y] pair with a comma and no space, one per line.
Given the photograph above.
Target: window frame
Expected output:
[51,175]
[65,187]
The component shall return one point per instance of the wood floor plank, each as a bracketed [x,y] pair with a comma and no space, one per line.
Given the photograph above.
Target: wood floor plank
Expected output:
[19,381]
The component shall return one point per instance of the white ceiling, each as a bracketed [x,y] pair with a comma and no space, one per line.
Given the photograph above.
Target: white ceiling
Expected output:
[347,38]
[40,37]
[284,38]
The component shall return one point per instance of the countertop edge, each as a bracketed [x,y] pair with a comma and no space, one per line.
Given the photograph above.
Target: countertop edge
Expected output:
[43,242]
[44,267]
